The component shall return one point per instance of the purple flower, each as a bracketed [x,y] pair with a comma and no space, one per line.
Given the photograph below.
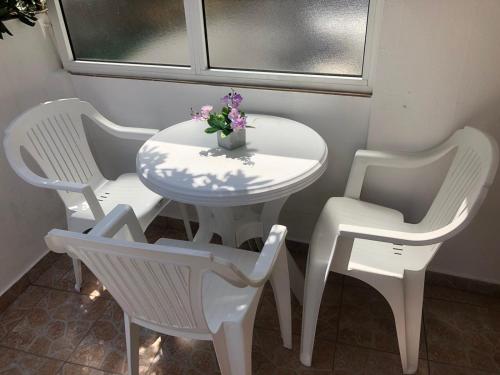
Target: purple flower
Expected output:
[233,99]
[236,100]
[226,99]
[237,120]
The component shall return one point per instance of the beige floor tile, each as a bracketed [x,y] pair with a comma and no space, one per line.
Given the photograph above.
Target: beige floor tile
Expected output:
[91,285]
[56,324]
[267,316]
[104,346]
[350,360]
[270,356]
[19,308]
[71,369]
[366,320]
[461,296]
[442,369]
[55,272]
[43,265]
[462,334]
[184,356]
[14,362]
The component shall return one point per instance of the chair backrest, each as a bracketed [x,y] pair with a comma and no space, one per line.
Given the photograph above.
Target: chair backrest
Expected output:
[466,184]
[159,285]
[53,134]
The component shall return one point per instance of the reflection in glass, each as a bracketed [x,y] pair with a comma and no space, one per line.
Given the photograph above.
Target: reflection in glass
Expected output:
[132,31]
[317,36]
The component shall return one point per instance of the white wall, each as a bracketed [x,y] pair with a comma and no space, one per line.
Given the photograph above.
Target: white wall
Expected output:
[439,70]
[341,120]
[30,75]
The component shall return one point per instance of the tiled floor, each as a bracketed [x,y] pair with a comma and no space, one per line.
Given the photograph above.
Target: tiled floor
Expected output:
[50,329]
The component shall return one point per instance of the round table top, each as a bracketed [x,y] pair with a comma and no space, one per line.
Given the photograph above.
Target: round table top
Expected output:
[185,164]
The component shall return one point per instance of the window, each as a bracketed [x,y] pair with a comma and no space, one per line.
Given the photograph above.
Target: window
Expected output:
[314,44]
[147,32]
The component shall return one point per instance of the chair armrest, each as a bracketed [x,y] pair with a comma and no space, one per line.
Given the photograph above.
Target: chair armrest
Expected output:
[273,248]
[399,237]
[367,158]
[122,215]
[86,190]
[124,132]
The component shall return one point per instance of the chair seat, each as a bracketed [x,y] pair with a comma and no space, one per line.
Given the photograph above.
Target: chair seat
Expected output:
[387,259]
[342,210]
[376,257]
[126,189]
[223,302]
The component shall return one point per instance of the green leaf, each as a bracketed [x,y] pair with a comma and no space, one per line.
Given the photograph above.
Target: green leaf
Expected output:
[210,130]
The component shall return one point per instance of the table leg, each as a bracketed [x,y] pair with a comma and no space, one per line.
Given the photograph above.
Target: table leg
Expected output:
[205,230]
[221,220]
[270,216]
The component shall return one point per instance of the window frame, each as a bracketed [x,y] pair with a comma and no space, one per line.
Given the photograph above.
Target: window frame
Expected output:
[200,72]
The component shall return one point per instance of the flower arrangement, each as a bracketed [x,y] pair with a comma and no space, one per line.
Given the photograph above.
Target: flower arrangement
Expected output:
[230,119]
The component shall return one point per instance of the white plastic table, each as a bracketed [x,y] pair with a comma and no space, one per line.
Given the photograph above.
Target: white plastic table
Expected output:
[238,194]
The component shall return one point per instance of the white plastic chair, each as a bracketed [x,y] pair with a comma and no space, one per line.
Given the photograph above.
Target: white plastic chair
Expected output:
[184,289]
[379,248]
[52,134]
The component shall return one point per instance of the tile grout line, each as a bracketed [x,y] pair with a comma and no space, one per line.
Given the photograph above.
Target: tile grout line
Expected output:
[424,327]
[76,346]
[7,333]
[338,320]
[87,332]
[464,367]
[91,367]
[33,354]
[459,302]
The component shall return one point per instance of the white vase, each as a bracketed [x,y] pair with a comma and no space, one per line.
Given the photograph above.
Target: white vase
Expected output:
[235,139]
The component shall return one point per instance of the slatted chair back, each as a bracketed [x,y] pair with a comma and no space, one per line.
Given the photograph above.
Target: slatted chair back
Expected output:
[53,135]
[157,286]
[466,184]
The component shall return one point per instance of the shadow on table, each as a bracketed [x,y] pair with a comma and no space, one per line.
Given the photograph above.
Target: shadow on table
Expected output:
[151,157]
[243,154]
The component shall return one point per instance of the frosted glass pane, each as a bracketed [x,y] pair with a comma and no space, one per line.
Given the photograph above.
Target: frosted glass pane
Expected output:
[132,31]
[316,36]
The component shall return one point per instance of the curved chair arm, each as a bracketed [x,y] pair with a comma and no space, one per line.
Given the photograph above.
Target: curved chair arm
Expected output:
[124,132]
[21,169]
[402,237]
[122,215]
[272,250]
[367,158]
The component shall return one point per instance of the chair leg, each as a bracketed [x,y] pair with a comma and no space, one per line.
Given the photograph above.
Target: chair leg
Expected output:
[185,219]
[313,292]
[280,281]
[132,338]
[408,318]
[321,249]
[233,344]
[77,268]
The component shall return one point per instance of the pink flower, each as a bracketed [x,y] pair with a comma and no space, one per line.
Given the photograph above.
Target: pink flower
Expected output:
[205,111]
[237,120]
